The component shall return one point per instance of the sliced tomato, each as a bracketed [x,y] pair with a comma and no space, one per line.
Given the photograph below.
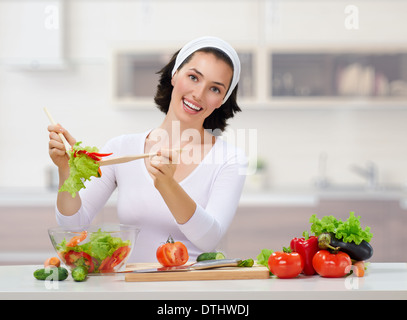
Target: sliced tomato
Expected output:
[75,259]
[172,253]
[117,257]
[105,266]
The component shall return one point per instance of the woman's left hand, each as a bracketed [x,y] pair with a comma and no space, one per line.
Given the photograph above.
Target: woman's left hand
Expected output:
[162,167]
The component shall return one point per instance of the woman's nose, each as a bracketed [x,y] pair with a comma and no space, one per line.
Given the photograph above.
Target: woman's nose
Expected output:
[198,93]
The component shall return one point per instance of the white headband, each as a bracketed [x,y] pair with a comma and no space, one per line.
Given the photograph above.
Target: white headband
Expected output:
[211,42]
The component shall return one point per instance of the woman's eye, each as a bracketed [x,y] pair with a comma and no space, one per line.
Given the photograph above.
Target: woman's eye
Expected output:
[192,77]
[216,90]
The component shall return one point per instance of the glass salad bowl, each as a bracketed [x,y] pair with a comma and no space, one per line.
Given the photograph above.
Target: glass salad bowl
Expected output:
[101,248]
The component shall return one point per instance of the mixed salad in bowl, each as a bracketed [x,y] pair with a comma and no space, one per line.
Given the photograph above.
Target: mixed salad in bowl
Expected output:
[99,249]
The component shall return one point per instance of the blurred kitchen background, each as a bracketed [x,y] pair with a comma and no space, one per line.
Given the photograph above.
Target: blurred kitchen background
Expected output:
[323,93]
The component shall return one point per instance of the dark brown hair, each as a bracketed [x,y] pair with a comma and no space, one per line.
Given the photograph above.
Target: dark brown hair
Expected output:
[217,119]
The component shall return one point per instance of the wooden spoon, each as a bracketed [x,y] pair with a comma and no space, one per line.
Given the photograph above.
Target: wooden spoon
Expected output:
[124,159]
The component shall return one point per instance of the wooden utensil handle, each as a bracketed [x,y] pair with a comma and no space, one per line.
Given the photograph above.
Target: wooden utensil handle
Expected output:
[65,142]
[124,159]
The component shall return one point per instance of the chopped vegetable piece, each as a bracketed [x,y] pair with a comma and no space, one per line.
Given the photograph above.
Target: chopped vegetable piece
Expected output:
[359,268]
[52,262]
[79,259]
[117,257]
[246,263]
[210,256]
[77,239]
[79,273]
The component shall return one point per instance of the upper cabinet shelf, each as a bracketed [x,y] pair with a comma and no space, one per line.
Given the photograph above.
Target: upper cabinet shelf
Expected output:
[282,78]
[338,75]
[135,76]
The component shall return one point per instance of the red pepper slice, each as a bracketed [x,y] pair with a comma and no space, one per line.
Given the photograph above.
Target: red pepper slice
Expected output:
[89,154]
[93,155]
[74,259]
[101,154]
[307,248]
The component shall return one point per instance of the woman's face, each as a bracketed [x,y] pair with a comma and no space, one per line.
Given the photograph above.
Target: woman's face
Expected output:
[199,88]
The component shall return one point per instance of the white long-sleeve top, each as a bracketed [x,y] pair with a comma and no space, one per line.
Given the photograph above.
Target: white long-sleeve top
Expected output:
[215,185]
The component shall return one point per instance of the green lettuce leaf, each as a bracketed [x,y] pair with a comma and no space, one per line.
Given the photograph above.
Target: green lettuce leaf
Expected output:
[346,231]
[263,257]
[81,167]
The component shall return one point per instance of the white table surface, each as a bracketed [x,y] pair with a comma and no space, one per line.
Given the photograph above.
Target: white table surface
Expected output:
[382,281]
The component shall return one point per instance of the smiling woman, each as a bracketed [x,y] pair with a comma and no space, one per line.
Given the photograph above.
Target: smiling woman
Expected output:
[192,195]
[218,118]
[199,89]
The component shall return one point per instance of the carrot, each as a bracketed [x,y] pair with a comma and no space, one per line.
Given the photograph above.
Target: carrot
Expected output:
[54,261]
[359,269]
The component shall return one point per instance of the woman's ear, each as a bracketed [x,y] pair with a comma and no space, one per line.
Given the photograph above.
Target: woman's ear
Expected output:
[174,78]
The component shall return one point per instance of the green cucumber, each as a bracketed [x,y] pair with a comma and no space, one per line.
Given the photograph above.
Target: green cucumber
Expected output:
[210,256]
[51,273]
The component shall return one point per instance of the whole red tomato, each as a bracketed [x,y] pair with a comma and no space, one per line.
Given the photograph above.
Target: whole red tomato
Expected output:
[285,264]
[331,265]
[172,253]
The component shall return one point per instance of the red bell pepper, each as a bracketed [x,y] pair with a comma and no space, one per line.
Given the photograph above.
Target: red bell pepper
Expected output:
[307,247]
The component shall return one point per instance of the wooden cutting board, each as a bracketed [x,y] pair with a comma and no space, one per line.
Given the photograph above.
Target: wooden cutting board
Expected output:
[226,273]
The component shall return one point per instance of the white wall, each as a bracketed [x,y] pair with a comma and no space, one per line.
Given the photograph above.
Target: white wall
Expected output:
[290,140]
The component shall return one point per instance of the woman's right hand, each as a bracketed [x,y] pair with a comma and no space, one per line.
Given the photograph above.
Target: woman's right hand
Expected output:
[57,150]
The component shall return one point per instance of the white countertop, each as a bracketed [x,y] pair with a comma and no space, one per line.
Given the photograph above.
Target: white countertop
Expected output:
[382,281]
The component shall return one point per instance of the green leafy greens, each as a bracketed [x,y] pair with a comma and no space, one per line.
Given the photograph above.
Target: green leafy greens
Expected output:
[263,257]
[347,231]
[81,167]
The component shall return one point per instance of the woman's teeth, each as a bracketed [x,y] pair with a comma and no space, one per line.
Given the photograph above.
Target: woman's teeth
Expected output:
[191,106]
